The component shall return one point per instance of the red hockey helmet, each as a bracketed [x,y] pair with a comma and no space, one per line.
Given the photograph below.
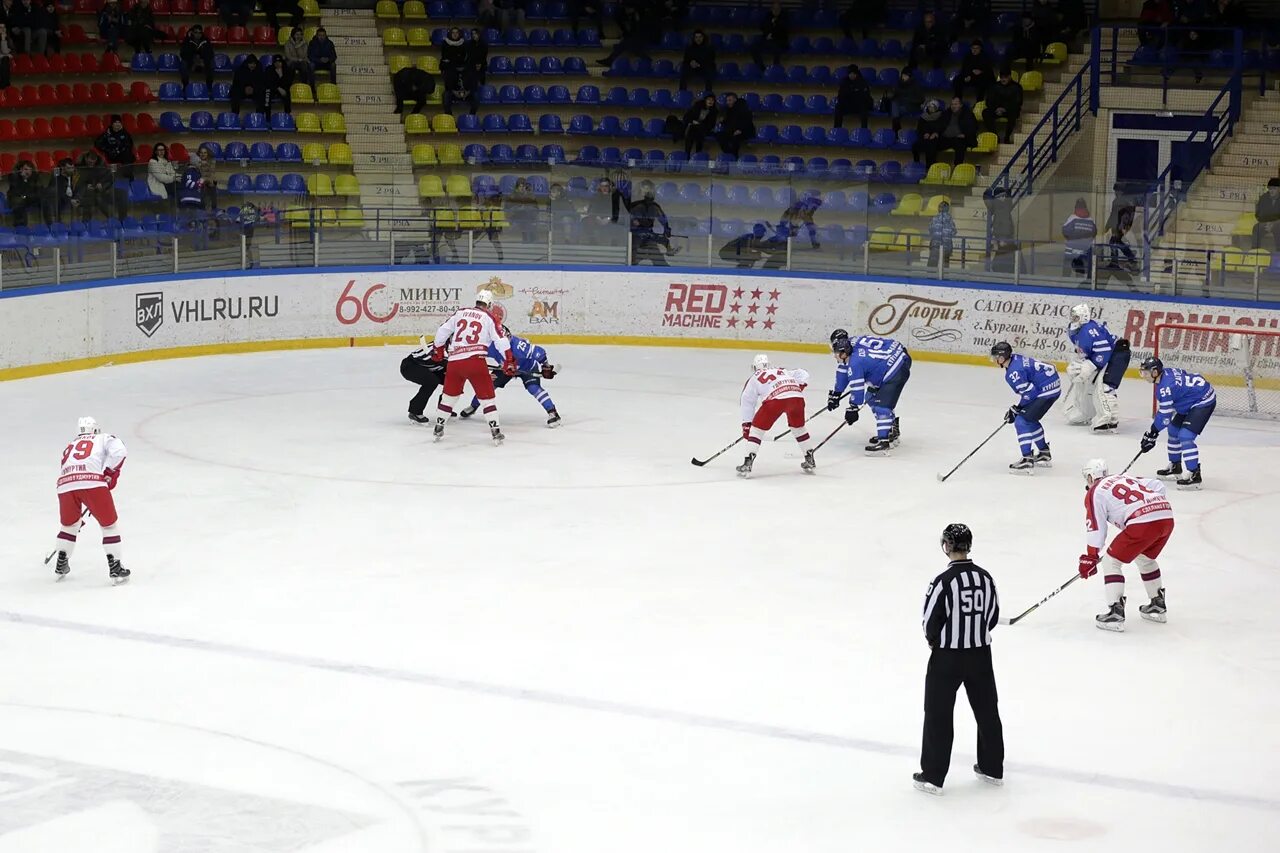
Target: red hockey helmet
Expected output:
[498,313]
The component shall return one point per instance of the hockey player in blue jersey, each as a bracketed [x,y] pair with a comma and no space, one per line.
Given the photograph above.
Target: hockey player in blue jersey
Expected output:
[1095,374]
[874,370]
[532,367]
[1037,386]
[1184,403]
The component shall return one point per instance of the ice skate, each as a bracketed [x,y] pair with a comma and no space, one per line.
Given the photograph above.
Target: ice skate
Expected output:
[1044,458]
[119,574]
[1025,465]
[468,411]
[419,419]
[895,435]
[1113,619]
[63,567]
[553,419]
[922,784]
[1191,482]
[744,470]
[1155,611]
[878,447]
[1107,428]
[495,432]
[990,780]
[809,462]
[438,430]
[1171,473]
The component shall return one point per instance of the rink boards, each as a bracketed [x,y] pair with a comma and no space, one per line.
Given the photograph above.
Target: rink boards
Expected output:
[48,330]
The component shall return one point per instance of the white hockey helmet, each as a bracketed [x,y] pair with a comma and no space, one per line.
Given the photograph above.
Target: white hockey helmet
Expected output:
[760,362]
[1081,314]
[484,297]
[1094,470]
[88,426]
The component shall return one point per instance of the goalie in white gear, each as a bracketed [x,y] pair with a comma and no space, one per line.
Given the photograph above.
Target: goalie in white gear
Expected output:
[770,393]
[1094,375]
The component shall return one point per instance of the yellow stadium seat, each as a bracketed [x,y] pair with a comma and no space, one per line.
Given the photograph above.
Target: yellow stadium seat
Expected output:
[882,239]
[909,205]
[308,33]
[313,152]
[1244,225]
[419,37]
[346,185]
[414,10]
[909,240]
[443,123]
[398,63]
[939,173]
[469,217]
[436,98]
[494,217]
[1015,74]
[964,175]
[1259,258]
[429,186]
[1032,81]
[310,8]
[988,142]
[283,35]
[445,218]
[931,206]
[458,186]
[340,154]
[1229,259]
[424,155]
[307,122]
[416,123]
[1055,54]
[333,123]
[350,217]
[319,184]
[978,109]
[450,155]
[394,37]
[298,216]
[328,217]
[300,93]
[328,93]
[387,9]
[429,64]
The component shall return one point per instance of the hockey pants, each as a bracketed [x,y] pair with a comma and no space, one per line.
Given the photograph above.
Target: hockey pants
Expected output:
[1030,431]
[1183,432]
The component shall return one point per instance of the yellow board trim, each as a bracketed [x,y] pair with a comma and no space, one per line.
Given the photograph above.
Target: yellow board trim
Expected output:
[50,368]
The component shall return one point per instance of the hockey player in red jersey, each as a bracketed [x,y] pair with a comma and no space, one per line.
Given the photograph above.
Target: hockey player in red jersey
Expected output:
[1139,507]
[464,340]
[90,469]
[770,393]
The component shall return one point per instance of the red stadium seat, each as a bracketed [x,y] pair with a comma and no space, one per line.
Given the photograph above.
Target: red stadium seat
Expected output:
[146,124]
[21,64]
[63,93]
[238,35]
[7,133]
[98,93]
[130,121]
[24,128]
[60,154]
[48,95]
[30,96]
[86,7]
[42,128]
[80,93]
[71,64]
[111,63]
[179,34]
[178,152]
[216,34]
[77,127]
[61,128]
[264,36]
[115,92]
[7,162]
[44,161]
[143,155]
[89,63]
[40,64]
[161,7]
[141,93]
[56,63]
[26,155]
[74,34]
[207,7]
[182,7]
[11,97]
[94,125]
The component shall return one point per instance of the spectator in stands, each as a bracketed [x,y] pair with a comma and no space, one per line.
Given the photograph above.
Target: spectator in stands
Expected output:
[295,59]
[208,167]
[453,58]
[510,14]
[1004,101]
[491,218]
[110,26]
[96,189]
[853,99]
[960,130]
[412,84]
[235,13]
[275,87]
[24,192]
[51,22]
[196,50]
[1004,235]
[26,22]
[1154,21]
[929,45]
[976,72]
[273,9]
[1228,14]
[907,98]
[522,207]
[592,10]
[1122,261]
[775,35]
[116,145]
[970,16]
[798,218]
[478,56]
[6,57]
[1048,21]
[942,234]
[462,90]
[646,244]
[487,15]
[737,126]
[60,195]
[600,217]
[699,61]
[862,15]
[142,27]
[247,84]
[1079,231]
[1267,210]
[929,133]
[564,216]
[323,57]
[1074,19]
[699,123]
[642,31]
[1028,43]
[161,176]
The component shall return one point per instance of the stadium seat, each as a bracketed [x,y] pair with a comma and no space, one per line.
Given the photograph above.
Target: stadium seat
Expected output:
[1244,225]
[475,154]
[328,93]
[288,152]
[283,123]
[467,123]
[430,186]
[1032,81]
[319,184]
[307,122]
[314,152]
[235,151]
[333,123]
[239,183]
[429,64]
[580,125]
[458,186]
[1055,54]
[882,239]
[228,122]
[988,142]
[424,154]
[398,63]
[416,123]
[340,154]
[171,122]
[939,174]
[293,184]
[266,183]
[394,37]
[449,155]
[256,122]
[299,93]
[414,10]
[930,207]
[527,154]
[963,175]
[519,123]
[554,153]
[387,10]
[346,185]
[443,123]
[912,173]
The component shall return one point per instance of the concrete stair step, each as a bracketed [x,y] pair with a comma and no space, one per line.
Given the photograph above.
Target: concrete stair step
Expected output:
[348,71]
[384,163]
[352,30]
[1217,181]
[371,99]
[1262,158]
[346,43]
[364,85]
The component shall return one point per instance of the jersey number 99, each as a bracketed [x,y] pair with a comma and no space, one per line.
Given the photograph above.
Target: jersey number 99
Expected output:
[80,450]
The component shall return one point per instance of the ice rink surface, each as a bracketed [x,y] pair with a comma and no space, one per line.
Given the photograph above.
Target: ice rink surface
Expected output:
[341,637]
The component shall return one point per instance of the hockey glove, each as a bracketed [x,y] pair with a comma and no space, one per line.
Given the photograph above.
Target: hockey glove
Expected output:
[548,371]
[851,415]
[437,353]
[1012,415]
[509,364]
[833,400]
[1088,566]
[1149,440]
[113,477]
[746,429]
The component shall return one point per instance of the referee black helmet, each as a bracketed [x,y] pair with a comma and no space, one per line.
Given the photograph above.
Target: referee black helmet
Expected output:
[957,537]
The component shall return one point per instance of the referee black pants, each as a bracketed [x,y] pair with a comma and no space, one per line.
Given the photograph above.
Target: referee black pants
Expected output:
[415,371]
[948,669]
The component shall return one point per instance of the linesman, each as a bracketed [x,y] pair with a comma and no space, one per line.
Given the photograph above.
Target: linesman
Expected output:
[961,608]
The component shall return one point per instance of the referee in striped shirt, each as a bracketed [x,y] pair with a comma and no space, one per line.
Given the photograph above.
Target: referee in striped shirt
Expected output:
[960,609]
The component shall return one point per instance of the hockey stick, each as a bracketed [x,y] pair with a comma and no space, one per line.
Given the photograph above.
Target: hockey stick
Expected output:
[942,478]
[830,436]
[811,417]
[82,523]
[1029,610]
[701,462]
[1131,461]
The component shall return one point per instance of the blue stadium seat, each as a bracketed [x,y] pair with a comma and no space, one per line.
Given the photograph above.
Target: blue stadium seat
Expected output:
[609,126]
[262,152]
[621,67]
[499,65]
[468,123]
[820,75]
[558,95]
[838,136]
[767,134]
[888,78]
[890,171]
[266,183]
[935,78]
[893,49]
[484,185]
[735,43]
[791,135]
[487,94]
[662,98]
[197,92]
[883,138]
[865,170]
[633,157]
[235,151]
[868,47]
[654,155]
[798,75]
[683,100]
[824,45]
[256,122]
[171,122]
[611,156]
[775,75]
[519,123]
[550,65]
[288,152]
[913,173]
[663,68]
[283,123]
[575,65]
[753,101]
[793,104]
[633,127]
[840,169]
[475,153]
[221,92]
[729,71]
[539,37]
[700,160]
[857,202]
[834,200]
[502,155]
[228,122]
[535,10]
[676,161]
[439,10]
[588,94]
[884,203]
[239,183]
[510,94]
[580,124]
[564,38]
[558,11]
[515,36]
[588,154]
[655,128]
[815,135]
[143,63]
[550,123]
[525,65]
[792,164]
[772,103]
[617,97]
[639,98]
[906,140]
[817,166]
[588,37]
[860,137]
[694,193]
[169,63]
[170,92]
[801,44]
[643,67]
[494,123]
[553,153]
[527,154]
